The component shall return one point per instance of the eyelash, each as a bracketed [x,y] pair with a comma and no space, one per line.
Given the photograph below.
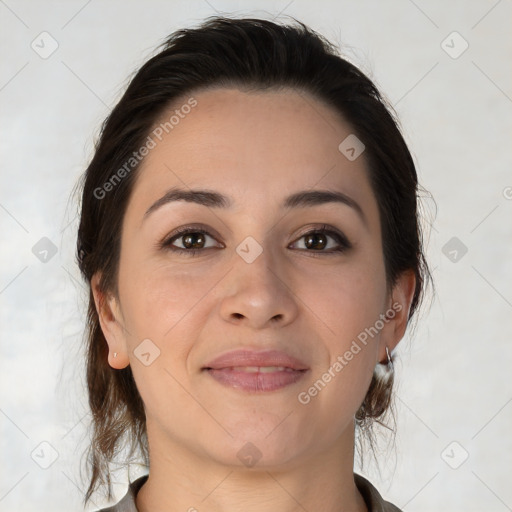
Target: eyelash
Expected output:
[341,240]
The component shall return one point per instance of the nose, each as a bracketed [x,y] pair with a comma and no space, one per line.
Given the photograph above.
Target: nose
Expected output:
[259,294]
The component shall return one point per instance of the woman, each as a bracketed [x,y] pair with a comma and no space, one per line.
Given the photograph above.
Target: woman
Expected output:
[250,234]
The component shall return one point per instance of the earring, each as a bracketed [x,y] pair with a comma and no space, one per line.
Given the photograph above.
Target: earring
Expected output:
[385,370]
[390,361]
[386,367]
[115,353]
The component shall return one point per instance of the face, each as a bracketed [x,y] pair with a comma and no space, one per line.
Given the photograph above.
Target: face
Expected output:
[253,270]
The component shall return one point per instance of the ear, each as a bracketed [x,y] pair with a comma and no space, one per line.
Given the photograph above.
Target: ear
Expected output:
[397,313]
[112,324]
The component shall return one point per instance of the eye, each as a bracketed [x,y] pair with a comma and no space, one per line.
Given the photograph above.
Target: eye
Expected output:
[189,241]
[322,240]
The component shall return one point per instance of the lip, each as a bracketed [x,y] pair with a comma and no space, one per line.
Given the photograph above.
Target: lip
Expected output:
[244,357]
[226,369]
[256,381]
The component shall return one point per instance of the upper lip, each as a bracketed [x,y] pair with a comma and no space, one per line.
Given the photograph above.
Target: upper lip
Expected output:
[246,357]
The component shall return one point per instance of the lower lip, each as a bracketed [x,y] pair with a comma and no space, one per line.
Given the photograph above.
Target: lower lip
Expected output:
[256,381]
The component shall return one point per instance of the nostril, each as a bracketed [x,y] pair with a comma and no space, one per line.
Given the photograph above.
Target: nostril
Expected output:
[238,315]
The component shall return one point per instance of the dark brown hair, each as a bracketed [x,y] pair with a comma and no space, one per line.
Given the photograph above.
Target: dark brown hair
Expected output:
[251,54]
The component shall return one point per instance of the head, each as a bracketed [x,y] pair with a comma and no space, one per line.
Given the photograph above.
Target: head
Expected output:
[254,112]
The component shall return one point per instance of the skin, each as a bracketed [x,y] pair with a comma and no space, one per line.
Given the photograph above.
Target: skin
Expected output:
[256,148]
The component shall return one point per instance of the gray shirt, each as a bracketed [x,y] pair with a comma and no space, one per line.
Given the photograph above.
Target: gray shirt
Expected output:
[374,501]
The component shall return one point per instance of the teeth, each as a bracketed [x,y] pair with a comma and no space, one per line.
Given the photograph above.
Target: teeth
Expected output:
[261,369]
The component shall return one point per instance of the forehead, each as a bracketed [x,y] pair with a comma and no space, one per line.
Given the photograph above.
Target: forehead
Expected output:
[254,146]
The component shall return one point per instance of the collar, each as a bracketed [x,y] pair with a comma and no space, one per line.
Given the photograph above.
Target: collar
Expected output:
[374,501]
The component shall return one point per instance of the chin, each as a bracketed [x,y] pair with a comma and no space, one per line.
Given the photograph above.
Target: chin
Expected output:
[257,449]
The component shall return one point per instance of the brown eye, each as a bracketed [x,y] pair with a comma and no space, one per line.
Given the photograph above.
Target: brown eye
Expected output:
[315,241]
[323,241]
[189,241]
[193,240]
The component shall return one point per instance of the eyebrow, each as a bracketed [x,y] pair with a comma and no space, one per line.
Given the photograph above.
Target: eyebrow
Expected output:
[213,199]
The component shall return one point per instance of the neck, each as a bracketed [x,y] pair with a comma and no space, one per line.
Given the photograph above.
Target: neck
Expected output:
[181,480]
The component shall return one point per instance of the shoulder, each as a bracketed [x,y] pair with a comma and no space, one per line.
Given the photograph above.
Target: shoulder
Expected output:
[127,504]
[374,501]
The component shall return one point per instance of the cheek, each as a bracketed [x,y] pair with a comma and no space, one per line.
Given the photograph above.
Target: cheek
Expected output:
[346,299]
[348,303]
[157,298]
[166,307]
[347,308]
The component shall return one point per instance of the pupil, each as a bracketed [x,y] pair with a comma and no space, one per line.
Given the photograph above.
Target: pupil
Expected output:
[188,240]
[315,241]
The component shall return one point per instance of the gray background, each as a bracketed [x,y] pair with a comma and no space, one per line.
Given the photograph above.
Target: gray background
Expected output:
[454,370]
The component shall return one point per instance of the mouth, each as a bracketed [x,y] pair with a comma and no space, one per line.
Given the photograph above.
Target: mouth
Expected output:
[256,371]
[256,379]
[249,359]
